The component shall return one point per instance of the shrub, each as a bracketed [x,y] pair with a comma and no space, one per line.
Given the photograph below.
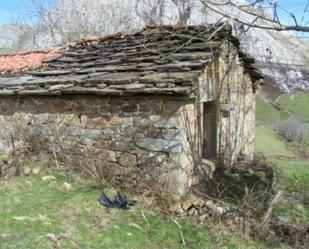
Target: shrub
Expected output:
[293,130]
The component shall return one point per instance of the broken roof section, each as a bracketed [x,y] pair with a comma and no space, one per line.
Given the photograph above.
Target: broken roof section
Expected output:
[156,60]
[23,62]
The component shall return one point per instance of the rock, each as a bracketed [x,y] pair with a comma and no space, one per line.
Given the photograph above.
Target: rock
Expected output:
[215,209]
[193,181]
[27,170]
[191,211]
[220,210]
[86,141]
[102,86]
[48,178]
[210,205]
[52,236]
[94,123]
[119,146]
[127,160]
[36,170]
[59,87]
[160,122]
[199,202]
[110,155]
[67,186]
[173,146]
[172,134]
[202,218]
[193,200]
[116,121]
[282,220]
[175,207]
[93,134]
[187,204]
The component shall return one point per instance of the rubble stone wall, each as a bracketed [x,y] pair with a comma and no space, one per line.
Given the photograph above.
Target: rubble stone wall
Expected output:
[237,108]
[226,81]
[130,133]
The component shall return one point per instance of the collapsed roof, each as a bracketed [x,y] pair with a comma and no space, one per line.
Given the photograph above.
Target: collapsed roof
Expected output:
[156,60]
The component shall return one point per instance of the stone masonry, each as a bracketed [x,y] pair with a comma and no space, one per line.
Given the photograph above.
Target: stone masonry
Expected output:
[129,133]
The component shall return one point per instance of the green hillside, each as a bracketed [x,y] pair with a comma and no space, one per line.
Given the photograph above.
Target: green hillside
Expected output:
[297,103]
[290,161]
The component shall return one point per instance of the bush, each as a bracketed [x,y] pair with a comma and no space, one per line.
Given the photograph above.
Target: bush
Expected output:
[293,130]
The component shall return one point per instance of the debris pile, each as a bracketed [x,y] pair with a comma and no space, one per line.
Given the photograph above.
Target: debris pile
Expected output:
[199,207]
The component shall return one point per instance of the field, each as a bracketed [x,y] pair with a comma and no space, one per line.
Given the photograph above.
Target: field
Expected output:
[297,103]
[290,161]
[44,215]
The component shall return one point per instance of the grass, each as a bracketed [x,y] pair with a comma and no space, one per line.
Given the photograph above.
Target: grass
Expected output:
[270,144]
[266,113]
[73,215]
[293,210]
[292,172]
[297,104]
[31,210]
[293,179]
[295,174]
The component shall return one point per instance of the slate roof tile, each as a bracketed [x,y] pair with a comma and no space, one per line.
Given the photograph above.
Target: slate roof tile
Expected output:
[156,60]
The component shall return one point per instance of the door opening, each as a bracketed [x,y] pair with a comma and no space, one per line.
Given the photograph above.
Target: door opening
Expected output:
[210,130]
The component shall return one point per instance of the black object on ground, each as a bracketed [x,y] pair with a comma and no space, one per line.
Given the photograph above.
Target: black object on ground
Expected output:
[119,201]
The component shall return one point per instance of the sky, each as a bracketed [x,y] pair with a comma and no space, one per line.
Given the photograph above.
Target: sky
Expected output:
[10,8]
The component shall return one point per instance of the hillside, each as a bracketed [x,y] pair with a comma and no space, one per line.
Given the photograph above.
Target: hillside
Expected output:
[282,58]
[10,36]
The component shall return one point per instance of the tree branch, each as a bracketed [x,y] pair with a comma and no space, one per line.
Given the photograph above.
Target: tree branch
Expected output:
[275,25]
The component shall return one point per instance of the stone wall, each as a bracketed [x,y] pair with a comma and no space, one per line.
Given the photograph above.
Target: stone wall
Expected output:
[134,134]
[226,82]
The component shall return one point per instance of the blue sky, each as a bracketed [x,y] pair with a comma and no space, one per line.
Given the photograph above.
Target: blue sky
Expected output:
[10,8]
[6,9]
[296,7]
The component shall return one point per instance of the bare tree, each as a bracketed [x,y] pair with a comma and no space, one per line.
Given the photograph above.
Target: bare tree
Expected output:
[256,14]
[62,21]
[184,8]
[70,20]
[151,11]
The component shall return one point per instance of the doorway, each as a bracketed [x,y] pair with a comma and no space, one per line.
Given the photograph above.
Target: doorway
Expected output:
[210,130]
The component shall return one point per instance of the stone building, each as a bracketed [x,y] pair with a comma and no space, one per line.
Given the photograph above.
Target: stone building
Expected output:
[164,97]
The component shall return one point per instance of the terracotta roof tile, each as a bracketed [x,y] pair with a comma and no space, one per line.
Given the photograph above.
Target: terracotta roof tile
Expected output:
[19,62]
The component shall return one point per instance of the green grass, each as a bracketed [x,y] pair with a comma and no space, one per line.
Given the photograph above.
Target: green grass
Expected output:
[266,113]
[31,209]
[297,104]
[270,144]
[295,174]
[293,178]
[76,218]
[296,212]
